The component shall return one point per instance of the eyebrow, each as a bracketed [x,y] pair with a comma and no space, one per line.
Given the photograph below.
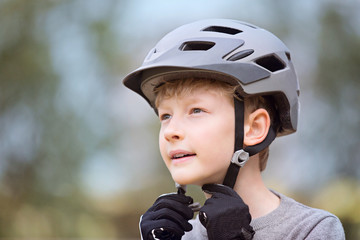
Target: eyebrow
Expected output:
[187,101]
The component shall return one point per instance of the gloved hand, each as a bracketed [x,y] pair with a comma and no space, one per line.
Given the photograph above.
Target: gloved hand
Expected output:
[167,218]
[225,216]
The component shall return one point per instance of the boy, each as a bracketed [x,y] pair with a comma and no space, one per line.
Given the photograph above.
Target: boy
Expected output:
[223,90]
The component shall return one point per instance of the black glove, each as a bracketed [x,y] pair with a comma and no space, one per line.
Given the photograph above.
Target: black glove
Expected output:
[225,216]
[167,218]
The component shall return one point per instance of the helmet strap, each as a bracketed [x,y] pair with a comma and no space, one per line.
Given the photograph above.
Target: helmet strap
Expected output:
[241,156]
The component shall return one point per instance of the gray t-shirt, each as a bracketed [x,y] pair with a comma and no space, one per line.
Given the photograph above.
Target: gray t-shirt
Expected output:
[291,220]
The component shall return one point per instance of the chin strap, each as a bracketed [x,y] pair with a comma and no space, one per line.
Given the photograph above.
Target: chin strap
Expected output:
[241,156]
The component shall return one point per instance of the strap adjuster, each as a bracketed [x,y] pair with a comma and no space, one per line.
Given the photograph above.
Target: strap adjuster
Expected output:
[240,157]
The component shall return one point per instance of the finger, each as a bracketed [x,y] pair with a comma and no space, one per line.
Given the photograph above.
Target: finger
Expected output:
[167,217]
[218,188]
[184,210]
[165,233]
[172,227]
[163,225]
[210,205]
[182,198]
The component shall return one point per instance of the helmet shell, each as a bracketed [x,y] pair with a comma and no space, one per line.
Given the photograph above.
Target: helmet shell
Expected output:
[235,52]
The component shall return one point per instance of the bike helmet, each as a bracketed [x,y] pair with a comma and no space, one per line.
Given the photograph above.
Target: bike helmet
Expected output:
[235,52]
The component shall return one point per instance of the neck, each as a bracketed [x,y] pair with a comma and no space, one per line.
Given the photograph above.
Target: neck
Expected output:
[251,188]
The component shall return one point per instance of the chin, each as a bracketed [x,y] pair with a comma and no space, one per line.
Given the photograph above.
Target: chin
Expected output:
[190,181]
[194,178]
[185,180]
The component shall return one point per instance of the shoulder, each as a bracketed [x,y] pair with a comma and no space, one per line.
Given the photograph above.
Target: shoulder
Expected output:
[328,227]
[316,223]
[294,220]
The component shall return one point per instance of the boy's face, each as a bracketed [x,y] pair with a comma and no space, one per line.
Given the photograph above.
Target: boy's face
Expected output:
[197,136]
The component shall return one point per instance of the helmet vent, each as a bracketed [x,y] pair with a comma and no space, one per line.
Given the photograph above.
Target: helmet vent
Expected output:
[196,46]
[288,56]
[271,63]
[219,29]
[241,54]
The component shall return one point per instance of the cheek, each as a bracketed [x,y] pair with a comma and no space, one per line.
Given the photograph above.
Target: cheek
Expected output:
[162,145]
[226,141]
[219,145]
[226,136]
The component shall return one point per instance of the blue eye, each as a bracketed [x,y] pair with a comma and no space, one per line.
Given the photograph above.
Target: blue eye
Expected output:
[164,117]
[196,110]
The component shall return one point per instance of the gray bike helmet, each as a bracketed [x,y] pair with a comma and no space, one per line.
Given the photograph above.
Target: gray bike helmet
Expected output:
[235,52]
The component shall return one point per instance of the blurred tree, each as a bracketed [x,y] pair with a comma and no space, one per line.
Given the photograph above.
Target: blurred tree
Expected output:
[26,81]
[337,82]
[43,142]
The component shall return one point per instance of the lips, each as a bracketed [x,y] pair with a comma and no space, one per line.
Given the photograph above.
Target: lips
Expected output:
[180,154]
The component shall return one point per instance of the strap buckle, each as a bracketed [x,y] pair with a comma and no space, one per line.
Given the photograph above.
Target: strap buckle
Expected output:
[240,157]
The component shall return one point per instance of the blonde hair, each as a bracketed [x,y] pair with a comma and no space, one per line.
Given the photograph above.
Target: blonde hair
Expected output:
[181,87]
[187,86]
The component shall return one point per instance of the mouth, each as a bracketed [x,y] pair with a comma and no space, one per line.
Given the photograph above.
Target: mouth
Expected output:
[176,155]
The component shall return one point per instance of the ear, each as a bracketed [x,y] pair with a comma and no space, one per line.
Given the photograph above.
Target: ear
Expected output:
[256,127]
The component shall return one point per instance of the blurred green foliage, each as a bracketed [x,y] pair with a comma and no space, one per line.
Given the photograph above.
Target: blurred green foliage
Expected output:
[45,140]
[338,84]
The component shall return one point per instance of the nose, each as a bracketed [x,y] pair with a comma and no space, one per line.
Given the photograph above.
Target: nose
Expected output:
[173,131]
